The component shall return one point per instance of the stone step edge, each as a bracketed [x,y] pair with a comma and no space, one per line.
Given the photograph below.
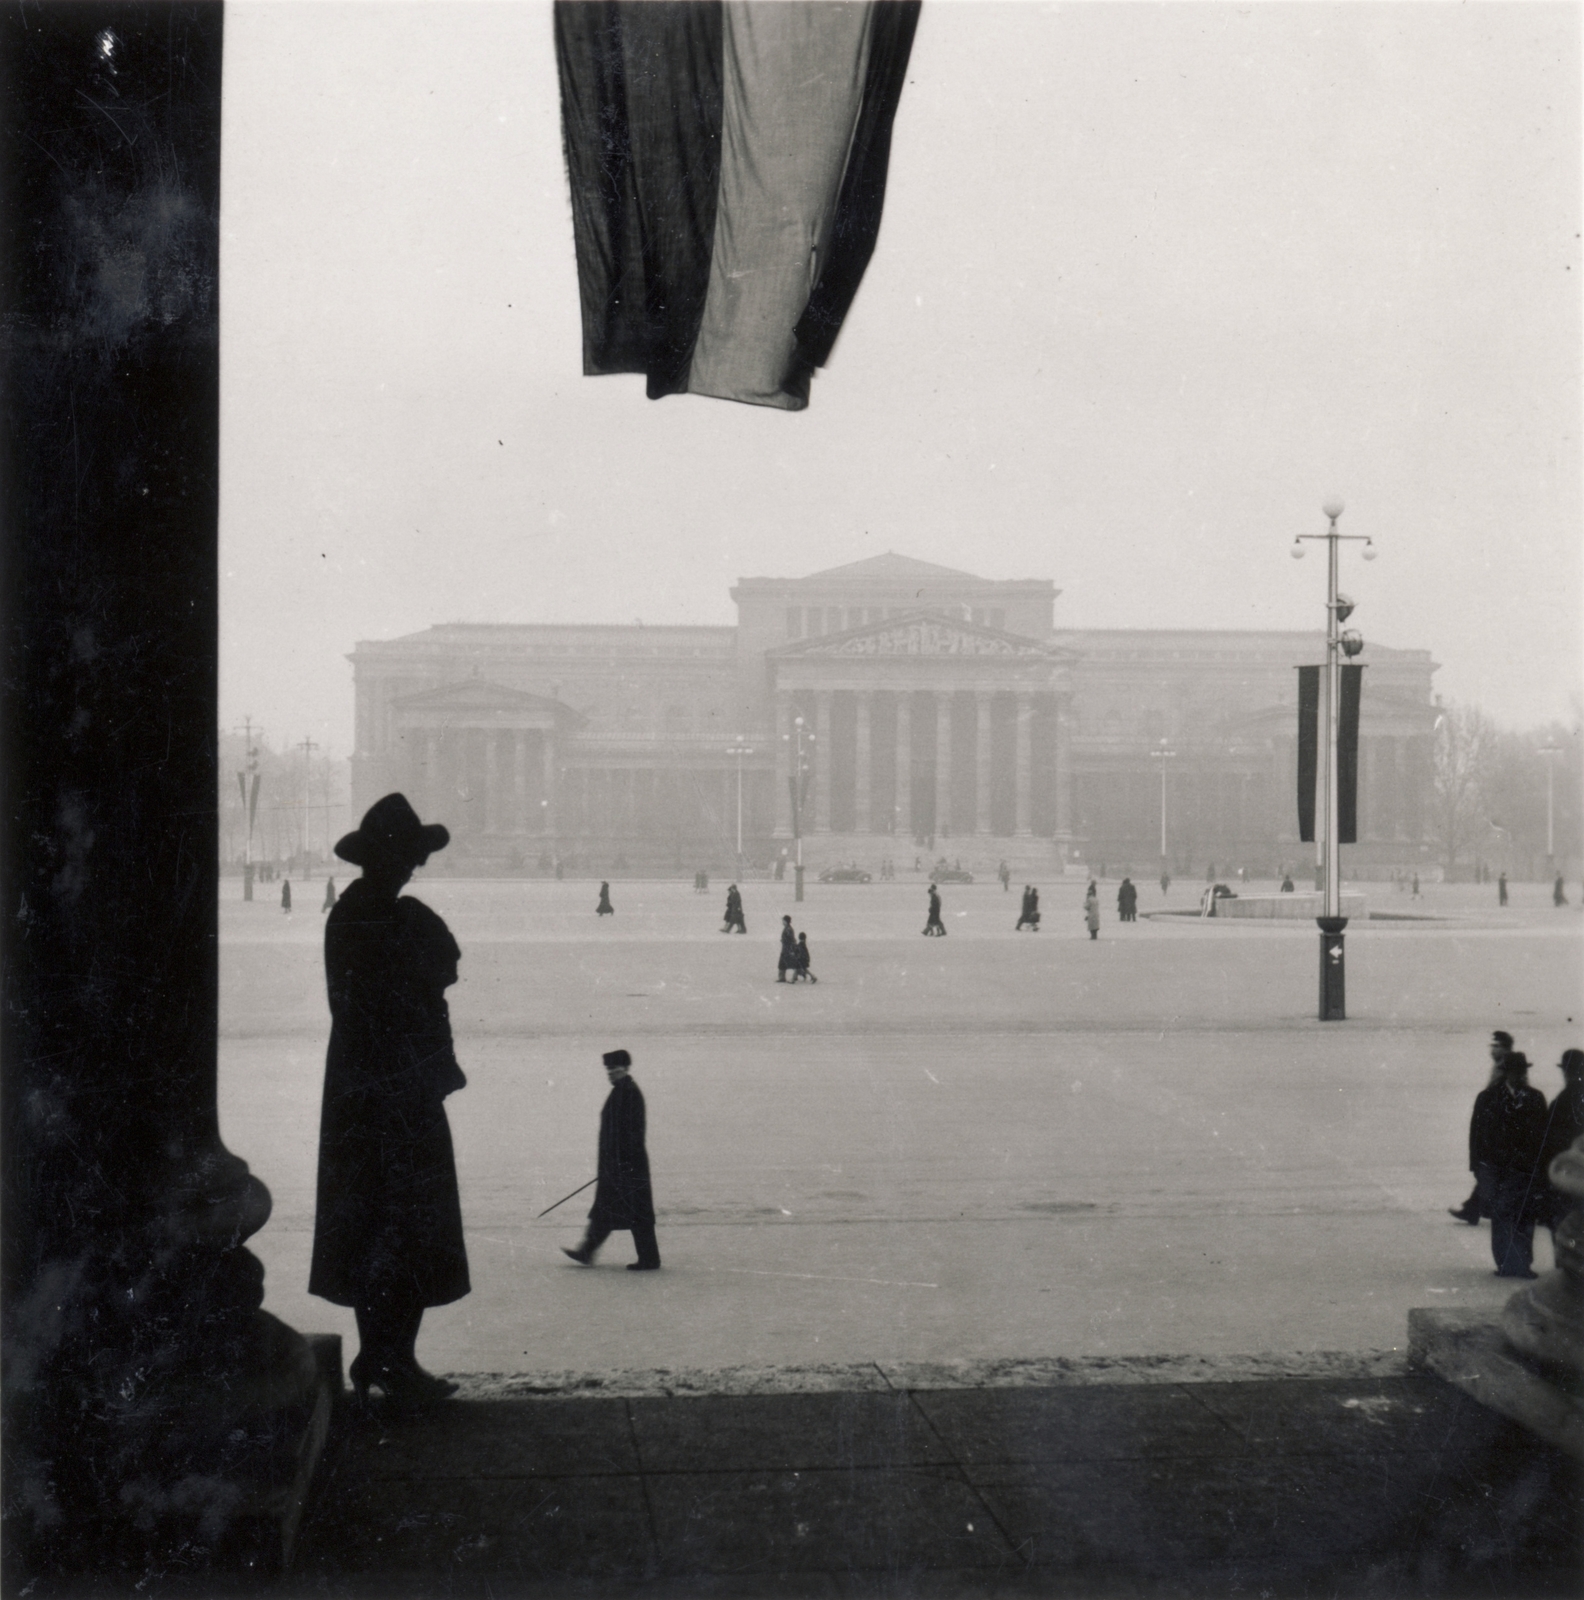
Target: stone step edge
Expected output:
[882,1377]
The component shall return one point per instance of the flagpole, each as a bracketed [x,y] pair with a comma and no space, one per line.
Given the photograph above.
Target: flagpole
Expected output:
[1333,970]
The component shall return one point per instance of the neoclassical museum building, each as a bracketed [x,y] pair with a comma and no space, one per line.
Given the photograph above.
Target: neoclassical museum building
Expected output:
[890,707]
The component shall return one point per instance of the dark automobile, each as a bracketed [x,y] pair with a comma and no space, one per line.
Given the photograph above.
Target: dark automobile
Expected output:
[945,874]
[844,875]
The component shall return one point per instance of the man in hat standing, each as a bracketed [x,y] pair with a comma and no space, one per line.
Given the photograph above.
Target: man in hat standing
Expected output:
[1506,1140]
[1501,1043]
[623,1200]
[388,1223]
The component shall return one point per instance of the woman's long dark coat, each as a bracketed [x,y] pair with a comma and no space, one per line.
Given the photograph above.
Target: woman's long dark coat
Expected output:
[388,1229]
[623,1197]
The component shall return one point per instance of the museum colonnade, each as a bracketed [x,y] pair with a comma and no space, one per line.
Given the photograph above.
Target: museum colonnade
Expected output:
[924,762]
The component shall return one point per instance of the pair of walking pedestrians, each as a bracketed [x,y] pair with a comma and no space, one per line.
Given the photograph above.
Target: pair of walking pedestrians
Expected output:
[794,958]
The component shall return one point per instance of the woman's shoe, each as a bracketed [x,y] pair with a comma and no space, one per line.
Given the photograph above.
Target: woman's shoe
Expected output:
[412,1386]
[402,1385]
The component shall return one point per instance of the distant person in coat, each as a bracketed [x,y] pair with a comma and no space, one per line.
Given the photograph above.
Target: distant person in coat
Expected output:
[1004,873]
[934,928]
[1558,893]
[734,911]
[1415,894]
[803,968]
[1092,911]
[1501,1043]
[286,896]
[388,1224]
[330,895]
[787,961]
[604,908]
[1506,1135]
[623,1199]
[1564,1124]
[1287,883]
[1501,888]
[1165,880]
[1127,901]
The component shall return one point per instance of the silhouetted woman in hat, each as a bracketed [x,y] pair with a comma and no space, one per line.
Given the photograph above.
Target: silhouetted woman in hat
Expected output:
[388,1229]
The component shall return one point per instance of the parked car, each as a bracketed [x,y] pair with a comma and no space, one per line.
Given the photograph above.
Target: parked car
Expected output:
[945,874]
[853,874]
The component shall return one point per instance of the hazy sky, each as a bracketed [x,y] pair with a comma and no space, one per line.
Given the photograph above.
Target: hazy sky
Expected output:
[1152,283]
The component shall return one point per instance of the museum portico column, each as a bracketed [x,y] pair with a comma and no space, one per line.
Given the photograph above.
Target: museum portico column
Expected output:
[1025,764]
[943,761]
[1064,766]
[430,804]
[780,742]
[983,702]
[149,1401]
[904,763]
[491,818]
[862,709]
[519,804]
[550,809]
[822,760]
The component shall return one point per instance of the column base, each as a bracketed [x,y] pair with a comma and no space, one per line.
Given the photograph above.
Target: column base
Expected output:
[158,1419]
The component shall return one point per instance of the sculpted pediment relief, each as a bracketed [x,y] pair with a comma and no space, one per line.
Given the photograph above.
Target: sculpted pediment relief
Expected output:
[921,636]
[478,695]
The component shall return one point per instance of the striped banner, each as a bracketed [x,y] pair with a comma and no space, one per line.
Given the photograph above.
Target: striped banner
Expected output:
[728,162]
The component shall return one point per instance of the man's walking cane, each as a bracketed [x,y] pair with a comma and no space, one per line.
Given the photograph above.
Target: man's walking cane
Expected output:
[564,1198]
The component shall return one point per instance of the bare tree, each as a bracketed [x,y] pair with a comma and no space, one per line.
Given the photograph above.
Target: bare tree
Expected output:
[1465,770]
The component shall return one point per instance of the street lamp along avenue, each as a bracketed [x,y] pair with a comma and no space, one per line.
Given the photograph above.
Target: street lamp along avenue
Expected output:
[1163,755]
[1550,752]
[739,749]
[798,780]
[1333,972]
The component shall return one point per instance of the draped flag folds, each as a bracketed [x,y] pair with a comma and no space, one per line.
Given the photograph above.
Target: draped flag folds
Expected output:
[727,160]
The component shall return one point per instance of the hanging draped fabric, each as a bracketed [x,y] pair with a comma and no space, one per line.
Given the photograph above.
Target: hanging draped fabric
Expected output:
[1347,753]
[1351,689]
[728,164]
[1308,749]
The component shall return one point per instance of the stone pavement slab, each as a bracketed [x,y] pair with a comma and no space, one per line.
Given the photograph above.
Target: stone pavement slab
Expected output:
[1336,1486]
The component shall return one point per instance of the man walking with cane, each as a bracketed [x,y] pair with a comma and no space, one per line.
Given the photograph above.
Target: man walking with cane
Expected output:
[623,1200]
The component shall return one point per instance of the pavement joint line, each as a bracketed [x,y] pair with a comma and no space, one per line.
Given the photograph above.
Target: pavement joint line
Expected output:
[962,1475]
[652,1565]
[822,1277]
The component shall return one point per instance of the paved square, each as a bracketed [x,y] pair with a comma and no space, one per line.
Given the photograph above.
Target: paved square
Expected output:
[984,1147]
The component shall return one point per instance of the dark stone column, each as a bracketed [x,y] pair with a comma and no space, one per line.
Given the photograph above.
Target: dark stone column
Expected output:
[147,1397]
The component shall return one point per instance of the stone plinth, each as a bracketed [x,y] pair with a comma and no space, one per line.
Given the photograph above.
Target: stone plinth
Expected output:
[1470,1351]
[1287,907]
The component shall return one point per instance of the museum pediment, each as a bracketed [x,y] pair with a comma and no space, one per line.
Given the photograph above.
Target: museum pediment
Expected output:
[926,634]
[482,697]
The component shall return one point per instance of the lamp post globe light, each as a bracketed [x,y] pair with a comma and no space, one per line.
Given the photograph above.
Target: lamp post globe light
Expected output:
[1333,970]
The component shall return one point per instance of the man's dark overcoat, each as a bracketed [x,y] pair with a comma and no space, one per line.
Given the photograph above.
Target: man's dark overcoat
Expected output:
[389,1221]
[1507,1129]
[623,1197]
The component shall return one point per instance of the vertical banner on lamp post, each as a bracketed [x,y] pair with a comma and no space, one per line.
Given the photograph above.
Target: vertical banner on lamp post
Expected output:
[1308,749]
[1347,754]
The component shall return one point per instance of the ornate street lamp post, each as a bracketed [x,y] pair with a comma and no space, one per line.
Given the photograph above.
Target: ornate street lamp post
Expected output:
[1550,752]
[800,738]
[739,749]
[1333,985]
[248,783]
[1163,755]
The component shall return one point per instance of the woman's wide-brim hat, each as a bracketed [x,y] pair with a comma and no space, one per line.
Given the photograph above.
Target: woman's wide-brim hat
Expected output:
[390,831]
